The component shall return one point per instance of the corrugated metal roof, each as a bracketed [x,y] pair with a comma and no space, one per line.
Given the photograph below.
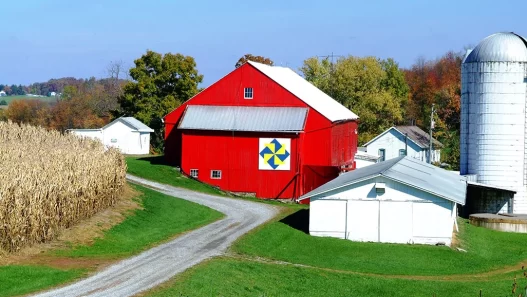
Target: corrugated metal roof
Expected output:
[306,92]
[415,134]
[138,125]
[487,186]
[365,156]
[499,47]
[406,170]
[244,118]
[419,136]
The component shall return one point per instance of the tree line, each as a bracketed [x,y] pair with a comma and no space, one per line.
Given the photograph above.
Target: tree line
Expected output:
[381,92]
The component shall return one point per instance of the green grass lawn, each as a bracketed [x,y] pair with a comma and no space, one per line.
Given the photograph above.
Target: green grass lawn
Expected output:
[8,99]
[19,280]
[487,249]
[153,168]
[161,218]
[231,277]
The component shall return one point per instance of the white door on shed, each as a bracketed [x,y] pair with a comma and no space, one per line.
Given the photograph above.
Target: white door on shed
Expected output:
[432,219]
[396,221]
[327,218]
[363,220]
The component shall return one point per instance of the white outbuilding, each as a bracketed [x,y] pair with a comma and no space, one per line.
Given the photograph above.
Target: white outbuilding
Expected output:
[402,200]
[399,141]
[127,134]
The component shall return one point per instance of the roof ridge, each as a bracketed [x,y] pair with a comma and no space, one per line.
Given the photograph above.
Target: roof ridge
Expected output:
[395,161]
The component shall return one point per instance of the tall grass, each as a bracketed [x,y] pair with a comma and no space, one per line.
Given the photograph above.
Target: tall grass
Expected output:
[49,181]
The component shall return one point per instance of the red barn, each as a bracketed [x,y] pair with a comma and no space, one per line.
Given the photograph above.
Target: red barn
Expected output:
[262,130]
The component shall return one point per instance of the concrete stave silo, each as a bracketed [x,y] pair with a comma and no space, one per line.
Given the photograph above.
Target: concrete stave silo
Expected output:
[493,115]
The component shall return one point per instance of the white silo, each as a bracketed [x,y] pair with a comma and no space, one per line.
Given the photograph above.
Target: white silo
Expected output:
[493,118]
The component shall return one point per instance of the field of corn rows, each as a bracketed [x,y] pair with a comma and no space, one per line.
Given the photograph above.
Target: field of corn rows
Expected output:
[50,181]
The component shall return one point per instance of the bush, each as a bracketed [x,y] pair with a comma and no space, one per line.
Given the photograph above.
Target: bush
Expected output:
[3,102]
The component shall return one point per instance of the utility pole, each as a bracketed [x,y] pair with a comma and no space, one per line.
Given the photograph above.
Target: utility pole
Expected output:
[431,128]
[406,144]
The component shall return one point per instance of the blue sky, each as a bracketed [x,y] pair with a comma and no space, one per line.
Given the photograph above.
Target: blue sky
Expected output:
[45,39]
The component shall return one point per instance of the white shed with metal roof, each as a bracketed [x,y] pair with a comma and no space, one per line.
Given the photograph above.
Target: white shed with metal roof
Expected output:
[402,200]
[127,134]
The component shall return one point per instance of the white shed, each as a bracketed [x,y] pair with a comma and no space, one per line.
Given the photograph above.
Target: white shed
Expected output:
[363,159]
[127,134]
[402,200]
[396,141]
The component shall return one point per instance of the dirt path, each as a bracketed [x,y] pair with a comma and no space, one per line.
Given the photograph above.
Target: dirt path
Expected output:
[157,265]
[496,274]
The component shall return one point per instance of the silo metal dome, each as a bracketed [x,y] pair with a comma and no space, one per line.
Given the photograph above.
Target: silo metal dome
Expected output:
[500,47]
[493,115]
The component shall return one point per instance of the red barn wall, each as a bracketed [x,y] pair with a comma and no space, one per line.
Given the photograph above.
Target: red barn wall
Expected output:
[323,146]
[236,155]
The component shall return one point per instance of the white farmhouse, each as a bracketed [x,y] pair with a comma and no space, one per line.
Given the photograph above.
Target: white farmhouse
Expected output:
[3,93]
[394,141]
[127,134]
[402,200]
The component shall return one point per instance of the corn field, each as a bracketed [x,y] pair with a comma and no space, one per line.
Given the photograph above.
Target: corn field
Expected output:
[50,181]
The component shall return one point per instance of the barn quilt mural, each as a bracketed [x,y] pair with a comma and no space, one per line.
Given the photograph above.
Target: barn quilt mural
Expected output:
[274,154]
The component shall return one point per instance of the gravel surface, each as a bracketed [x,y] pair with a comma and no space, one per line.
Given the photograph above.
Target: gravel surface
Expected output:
[159,264]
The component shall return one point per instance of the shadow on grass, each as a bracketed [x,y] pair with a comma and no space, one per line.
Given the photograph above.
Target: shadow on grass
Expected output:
[155,160]
[298,220]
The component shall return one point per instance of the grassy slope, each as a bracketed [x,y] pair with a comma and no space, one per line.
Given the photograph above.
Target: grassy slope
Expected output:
[227,277]
[161,218]
[152,168]
[487,249]
[18,280]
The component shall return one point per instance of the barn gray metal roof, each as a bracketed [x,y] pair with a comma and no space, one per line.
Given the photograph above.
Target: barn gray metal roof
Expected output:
[499,47]
[244,118]
[405,170]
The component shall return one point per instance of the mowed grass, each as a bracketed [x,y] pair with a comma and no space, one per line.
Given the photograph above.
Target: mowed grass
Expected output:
[486,250]
[8,99]
[231,277]
[19,280]
[160,219]
[153,168]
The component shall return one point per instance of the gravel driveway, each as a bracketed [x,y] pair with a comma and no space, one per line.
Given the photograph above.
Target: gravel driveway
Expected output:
[157,265]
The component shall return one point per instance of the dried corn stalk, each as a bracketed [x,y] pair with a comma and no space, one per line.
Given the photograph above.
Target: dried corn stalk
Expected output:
[50,181]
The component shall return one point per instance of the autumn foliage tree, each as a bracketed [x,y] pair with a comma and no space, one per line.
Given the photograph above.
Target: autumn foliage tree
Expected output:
[249,57]
[437,82]
[372,88]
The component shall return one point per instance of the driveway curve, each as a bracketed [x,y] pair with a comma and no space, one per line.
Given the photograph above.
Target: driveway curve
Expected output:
[159,264]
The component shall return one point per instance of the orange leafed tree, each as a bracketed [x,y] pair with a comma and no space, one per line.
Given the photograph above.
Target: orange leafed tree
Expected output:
[249,57]
[437,82]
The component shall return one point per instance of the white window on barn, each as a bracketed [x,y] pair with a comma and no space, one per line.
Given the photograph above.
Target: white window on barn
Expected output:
[194,173]
[248,93]
[215,174]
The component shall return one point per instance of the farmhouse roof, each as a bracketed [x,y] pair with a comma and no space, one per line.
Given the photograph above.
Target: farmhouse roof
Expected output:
[306,92]
[405,170]
[133,123]
[244,118]
[415,134]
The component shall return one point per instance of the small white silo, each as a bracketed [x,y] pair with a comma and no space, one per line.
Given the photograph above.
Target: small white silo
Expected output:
[493,118]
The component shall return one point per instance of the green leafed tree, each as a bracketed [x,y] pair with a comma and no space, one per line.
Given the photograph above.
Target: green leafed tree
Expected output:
[372,88]
[249,57]
[160,84]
